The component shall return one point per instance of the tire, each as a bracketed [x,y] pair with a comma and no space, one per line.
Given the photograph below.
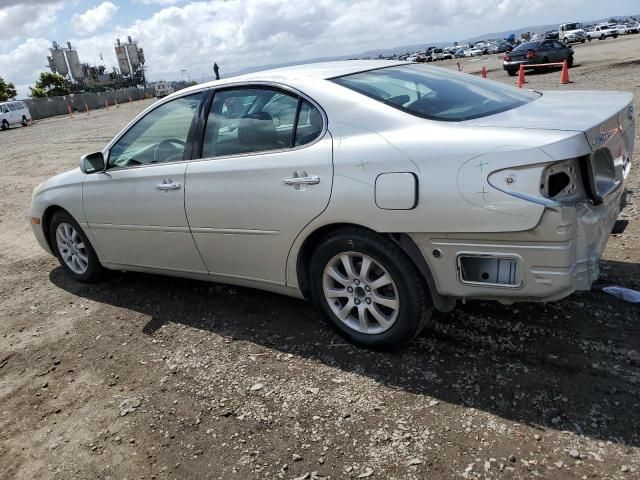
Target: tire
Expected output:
[511,72]
[570,61]
[566,41]
[589,38]
[60,228]
[602,37]
[615,36]
[24,121]
[5,125]
[582,41]
[407,306]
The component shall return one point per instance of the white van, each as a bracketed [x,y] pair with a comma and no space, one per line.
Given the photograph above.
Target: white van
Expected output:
[12,113]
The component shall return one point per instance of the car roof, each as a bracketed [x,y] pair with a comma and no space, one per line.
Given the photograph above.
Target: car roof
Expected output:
[320,70]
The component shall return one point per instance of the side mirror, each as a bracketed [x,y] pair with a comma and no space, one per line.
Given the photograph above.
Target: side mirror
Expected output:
[92,162]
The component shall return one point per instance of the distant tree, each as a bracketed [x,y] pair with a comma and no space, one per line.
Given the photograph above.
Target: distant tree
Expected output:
[613,20]
[50,85]
[7,91]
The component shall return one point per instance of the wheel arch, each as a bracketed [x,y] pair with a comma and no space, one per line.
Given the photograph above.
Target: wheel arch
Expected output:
[402,240]
[45,222]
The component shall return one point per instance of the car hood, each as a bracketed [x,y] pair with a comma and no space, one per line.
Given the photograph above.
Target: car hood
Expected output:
[596,114]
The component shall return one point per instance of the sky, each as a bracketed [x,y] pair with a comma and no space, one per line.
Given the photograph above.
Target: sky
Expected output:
[238,34]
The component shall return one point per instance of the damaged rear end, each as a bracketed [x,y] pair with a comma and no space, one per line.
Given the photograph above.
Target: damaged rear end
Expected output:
[580,182]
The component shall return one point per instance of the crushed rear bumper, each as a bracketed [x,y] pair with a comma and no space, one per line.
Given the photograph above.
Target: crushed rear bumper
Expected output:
[554,259]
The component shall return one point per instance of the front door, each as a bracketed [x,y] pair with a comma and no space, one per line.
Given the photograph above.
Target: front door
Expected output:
[266,172]
[135,208]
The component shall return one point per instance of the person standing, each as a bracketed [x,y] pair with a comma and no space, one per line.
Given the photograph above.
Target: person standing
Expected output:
[216,70]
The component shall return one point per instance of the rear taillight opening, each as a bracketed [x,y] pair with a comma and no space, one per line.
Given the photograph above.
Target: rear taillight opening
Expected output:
[506,58]
[531,54]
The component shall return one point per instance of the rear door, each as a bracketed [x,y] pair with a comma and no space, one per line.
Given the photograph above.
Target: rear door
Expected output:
[266,171]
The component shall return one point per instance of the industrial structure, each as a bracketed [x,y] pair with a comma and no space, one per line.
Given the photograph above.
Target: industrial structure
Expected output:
[84,77]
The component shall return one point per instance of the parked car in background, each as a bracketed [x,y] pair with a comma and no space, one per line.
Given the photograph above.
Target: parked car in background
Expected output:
[571,33]
[473,52]
[603,31]
[13,113]
[633,27]
[459,53]
[162,89]
[378,190]
[436,54]
[533,53]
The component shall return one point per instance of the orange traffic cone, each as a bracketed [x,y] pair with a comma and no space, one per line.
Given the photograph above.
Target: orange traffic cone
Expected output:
[86,107]
[484,71]
[106,105]
[70,112]
[521,80]
[564,76]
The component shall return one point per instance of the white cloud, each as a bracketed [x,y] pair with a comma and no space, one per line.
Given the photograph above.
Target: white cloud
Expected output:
[24,63]
[23,20]
[93,18]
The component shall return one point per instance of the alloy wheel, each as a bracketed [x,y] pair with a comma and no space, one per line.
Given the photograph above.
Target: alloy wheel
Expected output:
[361,293]
[72,248]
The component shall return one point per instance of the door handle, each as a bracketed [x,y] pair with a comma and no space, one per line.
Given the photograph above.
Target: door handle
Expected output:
[308,180]
[168,186]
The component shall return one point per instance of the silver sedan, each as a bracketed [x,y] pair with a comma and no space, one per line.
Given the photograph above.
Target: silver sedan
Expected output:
[378,190]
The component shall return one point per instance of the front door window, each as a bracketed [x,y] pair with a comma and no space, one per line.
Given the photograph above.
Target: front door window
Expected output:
[158,137]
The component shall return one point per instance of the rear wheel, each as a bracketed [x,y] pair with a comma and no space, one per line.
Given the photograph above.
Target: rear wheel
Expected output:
[73,249]
[369,289]
[24,121]
[512,72]
[570,61]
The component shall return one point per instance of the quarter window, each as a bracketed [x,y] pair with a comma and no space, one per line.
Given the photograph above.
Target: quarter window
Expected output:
[158,137]
[249,120]
[309,124]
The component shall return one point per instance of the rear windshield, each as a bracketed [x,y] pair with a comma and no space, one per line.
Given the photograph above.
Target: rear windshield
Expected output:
[527,46]
[436,93]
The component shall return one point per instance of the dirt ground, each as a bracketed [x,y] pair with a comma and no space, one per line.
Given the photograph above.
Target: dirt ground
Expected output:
[151,377]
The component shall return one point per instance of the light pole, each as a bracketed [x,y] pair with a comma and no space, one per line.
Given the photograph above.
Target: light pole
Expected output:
[182,72]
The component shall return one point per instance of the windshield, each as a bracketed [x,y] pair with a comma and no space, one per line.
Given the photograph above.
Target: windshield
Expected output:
[436,93]
[572,26]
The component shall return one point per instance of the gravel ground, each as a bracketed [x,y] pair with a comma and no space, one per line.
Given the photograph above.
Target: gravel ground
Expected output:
[153,377]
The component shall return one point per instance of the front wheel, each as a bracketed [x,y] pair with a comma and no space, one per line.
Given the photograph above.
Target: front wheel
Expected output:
[73,249]
[511,72]
[369,289]
[5,125]
[24,121]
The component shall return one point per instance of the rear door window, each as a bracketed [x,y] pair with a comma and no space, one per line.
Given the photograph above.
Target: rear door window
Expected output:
[258,119]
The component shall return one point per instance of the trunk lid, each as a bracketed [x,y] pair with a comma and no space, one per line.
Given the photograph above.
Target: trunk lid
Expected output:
[606,118]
